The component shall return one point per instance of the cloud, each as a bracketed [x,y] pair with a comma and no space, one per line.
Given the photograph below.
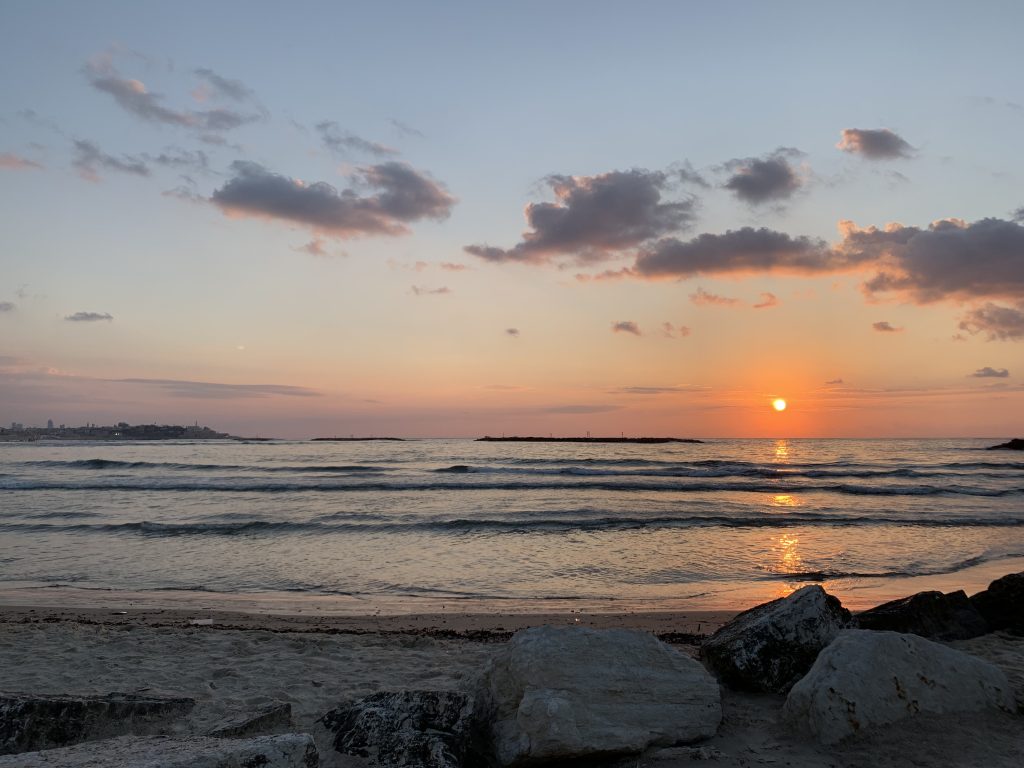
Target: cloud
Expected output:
[90,159]
[594,217]
[704,299]
[182,192]
[833,382]
[235,90]
[7,306]
[344,142]
[874,143]
[948,259]
[513,332]
[404,195]
[990,373]
[450,267]
[418,291]
[626,326]
[767,300]
[763,180]
[582,409]
[12,162]
[315,247]
[1018,215]
[132,96]
[405,129]
[884,326]
[218,391]
[667,329]
[652,390]
[176,157]
[89,317]
[997,322]
[736,251]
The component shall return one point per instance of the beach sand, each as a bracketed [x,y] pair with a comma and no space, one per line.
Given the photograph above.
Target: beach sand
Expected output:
[233,662]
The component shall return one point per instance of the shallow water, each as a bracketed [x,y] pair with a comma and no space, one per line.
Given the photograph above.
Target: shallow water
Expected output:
[716,524]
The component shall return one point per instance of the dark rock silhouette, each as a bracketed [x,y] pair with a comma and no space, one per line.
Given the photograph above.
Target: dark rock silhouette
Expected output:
[1017,444]
[1002,604]
[928,614]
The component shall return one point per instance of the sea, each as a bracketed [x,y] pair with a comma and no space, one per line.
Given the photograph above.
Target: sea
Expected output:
[454,524]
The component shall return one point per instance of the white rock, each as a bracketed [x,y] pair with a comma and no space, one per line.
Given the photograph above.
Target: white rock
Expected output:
[562,692]
[867,678]
[290,750]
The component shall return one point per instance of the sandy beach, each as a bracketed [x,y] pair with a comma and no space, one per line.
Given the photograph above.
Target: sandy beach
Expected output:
[234,662]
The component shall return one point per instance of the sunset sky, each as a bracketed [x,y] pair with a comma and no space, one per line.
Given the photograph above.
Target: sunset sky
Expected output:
[455,219]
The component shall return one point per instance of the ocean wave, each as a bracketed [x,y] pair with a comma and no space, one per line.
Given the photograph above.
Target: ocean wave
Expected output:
[246,485]
[514,525]
[100,464]
[899,573]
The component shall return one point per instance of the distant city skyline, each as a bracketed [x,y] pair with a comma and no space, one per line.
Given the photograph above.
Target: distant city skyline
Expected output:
[455,220]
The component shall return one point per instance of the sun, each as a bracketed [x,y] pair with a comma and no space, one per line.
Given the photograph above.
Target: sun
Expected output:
[779,404]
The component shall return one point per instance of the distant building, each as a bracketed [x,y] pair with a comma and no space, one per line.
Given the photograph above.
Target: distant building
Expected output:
[49,423]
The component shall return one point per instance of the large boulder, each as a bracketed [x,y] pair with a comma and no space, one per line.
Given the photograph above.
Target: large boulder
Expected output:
[569,692]
[34,721]
[867,678]
[771,646]
[1002,604]
[291,750]
[928,614]
[266,719]
[404,729]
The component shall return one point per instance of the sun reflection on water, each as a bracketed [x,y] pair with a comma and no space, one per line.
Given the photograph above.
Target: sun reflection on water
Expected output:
[781,450]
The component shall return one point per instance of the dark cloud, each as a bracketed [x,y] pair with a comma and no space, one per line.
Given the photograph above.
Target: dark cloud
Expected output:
[948,259]
[418,291]
[704,299]
[90,159]
[514,332]
[12,162]
[884,326]
[1018,215]
[404,195]
[740,250]
[235,90]
[595,216]
[7,306]
[132,96]
[874,143]
[583,409]
[990,373]
[763,180]
[997,322]
[767,300]
[218,391]
[89,317]
[344,142]
[626,326]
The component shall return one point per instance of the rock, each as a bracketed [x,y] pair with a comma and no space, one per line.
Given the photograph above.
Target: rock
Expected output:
[1017,444]
[264,720]
[771,646]
[928,614]
[868,678]
[404,729]
[1002,604]
[568,692]
[29,722]
[292,750]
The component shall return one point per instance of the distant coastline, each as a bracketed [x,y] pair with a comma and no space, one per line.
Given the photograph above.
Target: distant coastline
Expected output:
[641,440]
[121,431]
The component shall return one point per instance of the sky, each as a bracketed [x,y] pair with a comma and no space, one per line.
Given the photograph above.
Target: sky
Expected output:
[456,219]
